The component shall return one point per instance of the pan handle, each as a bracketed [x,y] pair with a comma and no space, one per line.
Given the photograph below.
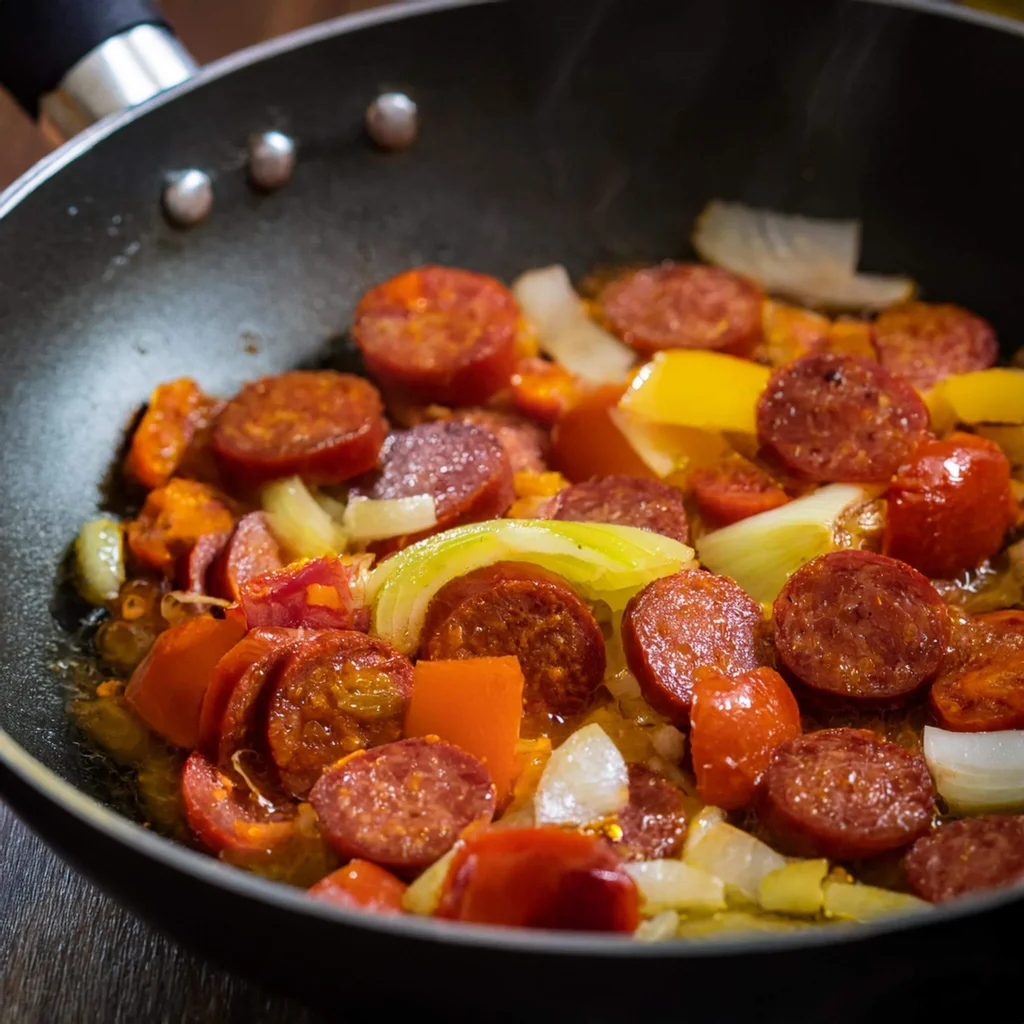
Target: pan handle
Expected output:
[79,60]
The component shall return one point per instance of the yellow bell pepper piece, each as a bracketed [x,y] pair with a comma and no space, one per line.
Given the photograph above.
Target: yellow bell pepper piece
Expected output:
[667,449]
[940,410]
[855,902]
[694,388]
[985,396]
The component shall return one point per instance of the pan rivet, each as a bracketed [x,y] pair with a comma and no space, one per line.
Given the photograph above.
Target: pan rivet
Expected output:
[188,197]
[271,159]
[392,120]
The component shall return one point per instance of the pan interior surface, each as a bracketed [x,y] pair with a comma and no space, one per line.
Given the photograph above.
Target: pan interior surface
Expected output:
[582,133]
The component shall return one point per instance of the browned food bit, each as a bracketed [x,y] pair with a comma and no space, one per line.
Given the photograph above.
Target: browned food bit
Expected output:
[839,418]
[845,794]
[251,550]
[342,691]
[924,343]
[856,626]
[520,609]
[526,443]
[404,804]
[653,823]
[682,623]
[684,305]
[972,855]
[321,425]
[194,567]
[624,501]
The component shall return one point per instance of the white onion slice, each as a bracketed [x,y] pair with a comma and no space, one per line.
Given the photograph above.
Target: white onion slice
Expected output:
[585,780]
[739,859]
[99,560]
[659,928]
[977,771]
[673,885]
[565,332]
[809,260]
[424,894]
[369,519]
[700,825]
[299,522]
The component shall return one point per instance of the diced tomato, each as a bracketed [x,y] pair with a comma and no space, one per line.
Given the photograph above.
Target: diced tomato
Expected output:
[361,885]
[735,725]
[540,878]
[542,390]
[950,507]
[733,491]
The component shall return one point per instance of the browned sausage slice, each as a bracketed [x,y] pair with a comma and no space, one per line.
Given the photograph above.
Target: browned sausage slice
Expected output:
[845,794]
[404,804]
[520,609]
[526,443]
[653,823]
[681,623]
[862,627]
[250,551]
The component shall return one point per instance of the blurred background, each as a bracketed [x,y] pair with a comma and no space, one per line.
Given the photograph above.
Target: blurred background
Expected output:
[212,28]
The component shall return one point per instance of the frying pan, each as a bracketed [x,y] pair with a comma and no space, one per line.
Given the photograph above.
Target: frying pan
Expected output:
[586,132]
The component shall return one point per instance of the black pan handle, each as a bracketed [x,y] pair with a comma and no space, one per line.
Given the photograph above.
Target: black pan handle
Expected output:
[88,58]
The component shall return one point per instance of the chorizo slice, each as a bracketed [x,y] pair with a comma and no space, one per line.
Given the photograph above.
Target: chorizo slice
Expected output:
[733,491]
[845,794]
[624,501]
[361,885]
[525,443]
[829,417]
[342,691]
[682,623]
[194,567]
[860,627]
[250,551]
[463,467]
[404,804]
[321,425]
[967,856]
[925,343]
[653,823]
[684,305]
[520,609]
[439,334]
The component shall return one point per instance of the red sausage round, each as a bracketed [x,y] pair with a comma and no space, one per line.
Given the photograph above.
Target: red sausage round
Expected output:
[924,343]
[439,334]
[625,501]
[972,855]
[845,794]
[525,443]
[194,567]
[684,305]
[323,426]
[839,418]
[517,608]
[857,626]
[251,550]
[341,691]
[653,823]
[733,491]
[681,623]
[950,506]
[403,804]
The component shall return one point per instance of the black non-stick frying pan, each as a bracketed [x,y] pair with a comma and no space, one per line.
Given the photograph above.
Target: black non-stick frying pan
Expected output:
[580,131]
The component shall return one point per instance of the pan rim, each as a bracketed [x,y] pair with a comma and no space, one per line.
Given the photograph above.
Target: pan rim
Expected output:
[49,786]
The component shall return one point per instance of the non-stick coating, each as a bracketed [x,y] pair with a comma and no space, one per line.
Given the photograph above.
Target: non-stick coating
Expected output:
[578,132]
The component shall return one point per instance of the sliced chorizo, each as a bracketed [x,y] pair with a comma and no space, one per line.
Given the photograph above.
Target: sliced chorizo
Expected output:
[684,305]
[194,566]
[733,491]
[321,425]
[463,467]
[526,444]
[925,343]
[340,692]
[251,549]
[624,501]
[520,609]
[682,623]
[439,334]
[404,804]
[653,823]
[860,627]
[967,856]
[845,794]
[829,417]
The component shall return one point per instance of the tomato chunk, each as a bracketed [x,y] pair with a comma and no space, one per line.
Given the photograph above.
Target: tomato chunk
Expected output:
[735,725]
[540,878]
[542,390]
[986,694]
[733,491]
[950,506]
[361,885]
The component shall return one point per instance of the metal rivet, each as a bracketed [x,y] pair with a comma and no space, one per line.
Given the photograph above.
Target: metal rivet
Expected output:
[188,197]
[271,159]
[392,120]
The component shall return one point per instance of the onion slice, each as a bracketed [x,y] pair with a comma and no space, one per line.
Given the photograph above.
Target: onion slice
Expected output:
[299,522]
[99,561]
[565,332]
[977,771]
[739,859]
[809,260]
[673,885]
[368,519]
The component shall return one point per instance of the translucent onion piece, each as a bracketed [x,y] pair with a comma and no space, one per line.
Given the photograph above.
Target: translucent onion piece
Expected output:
[585,780]
[736,857]
[855,902]
[977,771]
[700,825]
[795,889]
[299,522]
[604,562]
[424,894]
[367,519]
[985,396]
[565,332]
[762,552]
[667,449]
[659,928]
[809,260]
[99,561]
[673,885]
